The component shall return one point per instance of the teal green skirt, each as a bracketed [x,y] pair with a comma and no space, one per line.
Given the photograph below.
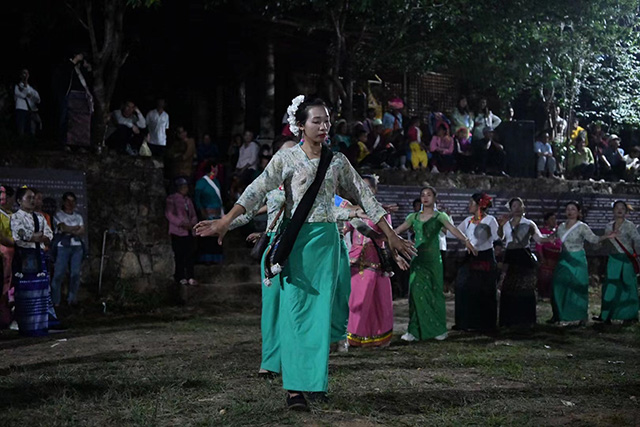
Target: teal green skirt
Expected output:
[309,280]
[570,295]
[340,307]
[269,320]
[620,290]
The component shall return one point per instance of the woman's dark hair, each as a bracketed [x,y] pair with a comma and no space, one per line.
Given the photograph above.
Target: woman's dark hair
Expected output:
[280,141]
[574,203]
[418,201]
[464,110]
[302,113]
[8,190]
[548,215]
[442,126]
[627,206]
[478,196]
[515,199]
[21,192]
[430,188]
[359,131]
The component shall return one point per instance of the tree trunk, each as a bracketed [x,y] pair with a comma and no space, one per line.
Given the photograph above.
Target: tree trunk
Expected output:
[267,109]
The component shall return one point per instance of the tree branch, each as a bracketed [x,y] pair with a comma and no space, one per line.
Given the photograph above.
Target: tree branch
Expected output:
[77,15]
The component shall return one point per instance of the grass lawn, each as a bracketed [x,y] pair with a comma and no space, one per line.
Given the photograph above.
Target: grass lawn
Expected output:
[184,367]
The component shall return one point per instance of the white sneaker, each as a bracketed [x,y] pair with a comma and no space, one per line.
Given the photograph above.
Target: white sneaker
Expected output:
[442,337]
[408,337]
[434,170]
[13,326]
[404,168]
[343,346]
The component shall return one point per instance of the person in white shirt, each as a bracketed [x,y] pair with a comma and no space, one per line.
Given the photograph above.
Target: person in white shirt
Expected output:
[158,124]
[27,100]
[560,128]
[126,129]
[248,158]
[546,163]
[69,229]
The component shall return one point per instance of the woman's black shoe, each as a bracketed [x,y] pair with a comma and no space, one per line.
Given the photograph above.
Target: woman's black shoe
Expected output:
[317,397]
[297,402]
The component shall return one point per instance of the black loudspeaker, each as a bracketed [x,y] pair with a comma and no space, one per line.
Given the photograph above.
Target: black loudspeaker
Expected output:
[518,138]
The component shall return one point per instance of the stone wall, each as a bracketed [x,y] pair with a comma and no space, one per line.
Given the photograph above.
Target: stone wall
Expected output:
[125,195]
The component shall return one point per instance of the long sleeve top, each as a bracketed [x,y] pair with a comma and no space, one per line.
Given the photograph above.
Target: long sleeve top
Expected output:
[573,239]
[482,121]
[26,97]
[483,234]
[441,145]
[135,120]
[627,235]
[249,156]
[576,158]
[295,171]
[179,210]
[521,236]
[23,227]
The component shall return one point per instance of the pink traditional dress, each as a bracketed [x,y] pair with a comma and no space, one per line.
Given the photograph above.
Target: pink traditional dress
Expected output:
[551,253]
[371,302]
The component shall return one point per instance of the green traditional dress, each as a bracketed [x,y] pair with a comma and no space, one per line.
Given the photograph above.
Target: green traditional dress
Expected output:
[570,293]
[620,289]
[427,307]
[310,275]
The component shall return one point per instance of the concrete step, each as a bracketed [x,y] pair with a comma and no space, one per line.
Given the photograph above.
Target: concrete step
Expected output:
[227,274]
[235,296]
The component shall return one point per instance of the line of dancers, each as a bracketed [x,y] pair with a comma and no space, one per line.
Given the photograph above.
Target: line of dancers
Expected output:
[323,293]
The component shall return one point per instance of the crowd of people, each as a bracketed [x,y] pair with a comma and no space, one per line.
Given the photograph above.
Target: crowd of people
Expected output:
[326,272]
[39,247]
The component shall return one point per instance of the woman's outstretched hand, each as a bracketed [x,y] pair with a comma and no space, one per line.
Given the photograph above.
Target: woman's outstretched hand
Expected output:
[213,227]
[403,247]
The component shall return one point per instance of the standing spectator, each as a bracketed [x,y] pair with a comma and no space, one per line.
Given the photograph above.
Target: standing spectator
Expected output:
[368,122]
[462,117]
[180,154]
[69,249]
[181,215]
[248,157]
[206,149]
[393,129]
[30,232]
[39,206]
[158,123]
[490,155]
[7,251]
[436,118]
[74,100]
[27,100]
[546,163]
[581,164]
[484,118]
[441,148]
[578,131]
[125,133]
[419,158]
[613,161]
[208,201]
[559,128]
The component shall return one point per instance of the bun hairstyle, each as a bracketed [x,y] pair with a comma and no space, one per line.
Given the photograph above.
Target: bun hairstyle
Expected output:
[302,112]
[578,206]
[515,199]
[430,188]
[483,200]
[626,205]
[21,192]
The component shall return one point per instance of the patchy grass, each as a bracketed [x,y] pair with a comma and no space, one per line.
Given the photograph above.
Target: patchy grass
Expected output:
[186,367]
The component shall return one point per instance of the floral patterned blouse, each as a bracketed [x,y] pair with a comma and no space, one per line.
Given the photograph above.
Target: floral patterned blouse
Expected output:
[22,228]
[521,236]
[627,234]
[293,168]
[574,241]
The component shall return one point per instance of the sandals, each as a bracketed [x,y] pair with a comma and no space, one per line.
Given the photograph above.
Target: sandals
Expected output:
[296,402]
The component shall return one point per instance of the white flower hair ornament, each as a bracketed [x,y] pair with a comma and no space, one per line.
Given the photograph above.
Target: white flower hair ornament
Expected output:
[291,114]
[376,178]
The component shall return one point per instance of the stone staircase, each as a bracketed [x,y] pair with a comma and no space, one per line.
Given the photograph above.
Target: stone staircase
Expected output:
[234,285]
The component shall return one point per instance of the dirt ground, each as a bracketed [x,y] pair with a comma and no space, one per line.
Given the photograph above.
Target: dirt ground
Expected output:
[179,366]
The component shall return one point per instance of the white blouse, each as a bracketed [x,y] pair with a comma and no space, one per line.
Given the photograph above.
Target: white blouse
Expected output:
[482,235]
[22,228]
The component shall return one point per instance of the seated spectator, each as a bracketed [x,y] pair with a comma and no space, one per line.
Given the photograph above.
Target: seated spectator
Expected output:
[368,122]
[578,130]
[442,149]
[381,151]
[206,149]
[27,100]
[179,155]
[68,248]
[233,150]
[581,164]
[632,161]
[340,140]
[484,118]
[613,163]
[158,123]
[436,118]
[181,215]
[463,150]
[419,159]
[125,131]
[489,155]
[546,163]
[361,139]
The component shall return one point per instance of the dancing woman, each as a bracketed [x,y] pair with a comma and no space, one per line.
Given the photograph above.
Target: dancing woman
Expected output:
[570,288]
[620,289]
[427,307]
[548,254]
[518,296]
[476,304]
[309,276]
[371,301]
